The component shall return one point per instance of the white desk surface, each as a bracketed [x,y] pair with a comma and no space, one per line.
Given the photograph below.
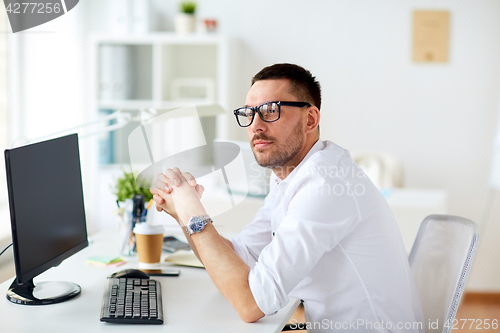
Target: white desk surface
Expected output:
[191,302]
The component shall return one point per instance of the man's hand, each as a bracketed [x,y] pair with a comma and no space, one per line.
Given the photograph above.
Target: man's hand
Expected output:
[163,186]
[227,270]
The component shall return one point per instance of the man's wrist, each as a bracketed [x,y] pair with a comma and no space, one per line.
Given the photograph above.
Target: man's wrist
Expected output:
[196,211]
[197,224]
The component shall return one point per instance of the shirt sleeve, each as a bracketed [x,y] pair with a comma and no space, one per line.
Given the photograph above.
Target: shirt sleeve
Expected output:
[316,220]
[255,236]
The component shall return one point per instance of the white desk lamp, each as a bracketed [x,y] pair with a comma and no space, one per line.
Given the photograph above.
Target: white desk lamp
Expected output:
[121,118]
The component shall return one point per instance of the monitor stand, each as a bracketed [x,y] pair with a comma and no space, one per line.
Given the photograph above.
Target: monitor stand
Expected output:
[43,293]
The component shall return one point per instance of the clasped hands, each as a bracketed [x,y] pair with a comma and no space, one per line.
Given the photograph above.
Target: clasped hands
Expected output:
[178,194]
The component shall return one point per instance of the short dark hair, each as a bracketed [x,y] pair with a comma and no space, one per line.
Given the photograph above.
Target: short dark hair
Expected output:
[303,83]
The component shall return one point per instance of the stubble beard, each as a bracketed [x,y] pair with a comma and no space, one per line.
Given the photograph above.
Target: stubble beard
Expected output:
[285,152]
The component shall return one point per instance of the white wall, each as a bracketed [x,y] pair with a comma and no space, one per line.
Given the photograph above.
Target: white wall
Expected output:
[440,119]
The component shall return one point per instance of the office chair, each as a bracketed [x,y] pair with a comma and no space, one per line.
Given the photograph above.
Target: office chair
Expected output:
[384,169]
[440,261]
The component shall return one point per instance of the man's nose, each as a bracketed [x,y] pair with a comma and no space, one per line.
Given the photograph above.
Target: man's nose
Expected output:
[258,125]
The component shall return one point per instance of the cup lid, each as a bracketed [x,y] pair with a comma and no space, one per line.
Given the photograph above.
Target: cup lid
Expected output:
[145,228]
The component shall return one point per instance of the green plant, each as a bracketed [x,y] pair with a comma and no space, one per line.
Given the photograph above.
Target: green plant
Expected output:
[188,7]
[126,187]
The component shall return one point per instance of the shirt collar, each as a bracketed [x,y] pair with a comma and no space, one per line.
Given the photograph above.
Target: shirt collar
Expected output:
[319,145]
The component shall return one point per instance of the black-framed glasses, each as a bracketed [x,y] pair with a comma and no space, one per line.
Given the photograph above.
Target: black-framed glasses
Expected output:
[268,112]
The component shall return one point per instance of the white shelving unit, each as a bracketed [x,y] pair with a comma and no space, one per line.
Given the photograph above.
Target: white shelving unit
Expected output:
[157,60]
[156,70]
[155,64]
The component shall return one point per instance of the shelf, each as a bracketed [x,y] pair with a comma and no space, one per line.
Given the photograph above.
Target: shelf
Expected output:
[125,72]
[130,104]
[164,71]
[159,37]
[205,109]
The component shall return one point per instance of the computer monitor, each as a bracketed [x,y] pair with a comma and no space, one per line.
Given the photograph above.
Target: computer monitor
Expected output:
[47,216]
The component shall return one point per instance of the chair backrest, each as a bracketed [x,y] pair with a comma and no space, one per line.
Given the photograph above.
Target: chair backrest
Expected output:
[383,169]
[440,261]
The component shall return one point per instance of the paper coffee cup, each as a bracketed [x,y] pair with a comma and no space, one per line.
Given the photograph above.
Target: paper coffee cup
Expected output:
[149,242]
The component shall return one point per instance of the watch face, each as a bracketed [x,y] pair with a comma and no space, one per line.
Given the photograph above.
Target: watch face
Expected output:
[196,224]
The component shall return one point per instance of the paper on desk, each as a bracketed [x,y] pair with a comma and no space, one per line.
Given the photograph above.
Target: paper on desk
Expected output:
[108,261]
[184,258]
[114,264]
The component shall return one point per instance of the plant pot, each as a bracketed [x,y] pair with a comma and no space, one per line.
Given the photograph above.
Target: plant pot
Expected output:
[185,23]
[127,242]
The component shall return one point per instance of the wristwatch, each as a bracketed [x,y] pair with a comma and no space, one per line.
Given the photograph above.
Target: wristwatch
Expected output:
[197,223]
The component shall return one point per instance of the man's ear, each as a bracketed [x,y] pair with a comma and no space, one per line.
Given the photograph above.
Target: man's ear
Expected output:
[313,117]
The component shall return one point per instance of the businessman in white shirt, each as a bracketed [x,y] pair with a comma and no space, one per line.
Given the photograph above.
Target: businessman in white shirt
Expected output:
[325,234]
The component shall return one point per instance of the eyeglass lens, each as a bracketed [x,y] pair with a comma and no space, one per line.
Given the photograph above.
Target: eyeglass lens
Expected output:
[268,112]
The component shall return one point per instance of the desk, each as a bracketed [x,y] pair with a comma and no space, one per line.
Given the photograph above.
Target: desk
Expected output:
[82,313]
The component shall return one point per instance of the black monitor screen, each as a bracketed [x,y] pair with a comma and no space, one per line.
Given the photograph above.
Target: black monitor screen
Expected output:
[46,204]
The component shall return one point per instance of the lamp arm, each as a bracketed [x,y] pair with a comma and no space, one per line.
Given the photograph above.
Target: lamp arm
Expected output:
[122,119]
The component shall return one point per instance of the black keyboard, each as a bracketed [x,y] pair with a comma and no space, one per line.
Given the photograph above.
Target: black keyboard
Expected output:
[132,301]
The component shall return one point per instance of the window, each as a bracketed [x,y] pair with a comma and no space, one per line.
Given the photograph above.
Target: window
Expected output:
[4,212]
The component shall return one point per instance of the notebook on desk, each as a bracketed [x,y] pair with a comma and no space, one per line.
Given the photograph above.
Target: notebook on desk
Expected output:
[184,258]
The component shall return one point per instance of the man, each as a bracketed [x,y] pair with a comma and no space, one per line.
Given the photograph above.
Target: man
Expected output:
[325,234]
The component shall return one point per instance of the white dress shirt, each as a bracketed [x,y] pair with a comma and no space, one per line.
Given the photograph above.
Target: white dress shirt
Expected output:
[327,236]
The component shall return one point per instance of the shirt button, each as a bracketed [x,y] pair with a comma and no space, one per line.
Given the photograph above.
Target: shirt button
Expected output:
[273,233]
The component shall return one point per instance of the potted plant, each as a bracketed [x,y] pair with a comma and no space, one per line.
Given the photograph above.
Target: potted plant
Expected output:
[185,21]
[126,189]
